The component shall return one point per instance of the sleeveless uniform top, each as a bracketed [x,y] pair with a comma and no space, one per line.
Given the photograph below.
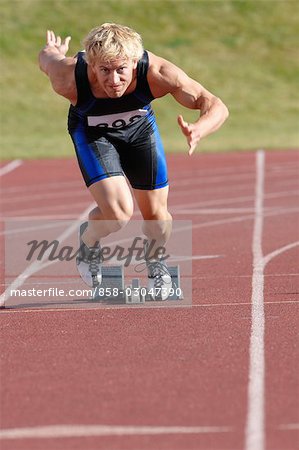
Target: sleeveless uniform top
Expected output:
[97,115]
[118,136]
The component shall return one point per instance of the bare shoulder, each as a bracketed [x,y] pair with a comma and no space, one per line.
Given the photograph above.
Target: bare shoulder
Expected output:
[164,77]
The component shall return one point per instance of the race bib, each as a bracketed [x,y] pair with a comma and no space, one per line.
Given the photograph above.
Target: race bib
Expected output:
[118,120]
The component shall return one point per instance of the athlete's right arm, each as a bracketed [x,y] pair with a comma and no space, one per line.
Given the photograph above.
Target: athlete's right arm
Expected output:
[59,68]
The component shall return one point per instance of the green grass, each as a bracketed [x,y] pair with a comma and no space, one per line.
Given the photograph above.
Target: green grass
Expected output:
[246,52]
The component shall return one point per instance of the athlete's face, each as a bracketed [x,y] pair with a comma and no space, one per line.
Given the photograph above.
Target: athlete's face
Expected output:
[114,77]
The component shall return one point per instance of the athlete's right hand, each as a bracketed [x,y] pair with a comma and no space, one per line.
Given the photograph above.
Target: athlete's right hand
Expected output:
[56,42]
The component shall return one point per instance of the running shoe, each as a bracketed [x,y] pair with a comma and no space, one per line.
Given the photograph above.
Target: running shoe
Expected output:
[159,278]
[89,261]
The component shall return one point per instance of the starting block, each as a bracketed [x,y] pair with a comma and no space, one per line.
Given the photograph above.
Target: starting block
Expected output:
[112,287]
[176,283]
[114,291]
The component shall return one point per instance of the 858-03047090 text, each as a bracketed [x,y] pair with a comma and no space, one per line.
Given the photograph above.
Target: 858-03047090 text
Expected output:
[105,292]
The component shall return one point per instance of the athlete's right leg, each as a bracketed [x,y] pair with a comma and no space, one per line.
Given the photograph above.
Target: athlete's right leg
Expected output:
[114,209]
[100,166]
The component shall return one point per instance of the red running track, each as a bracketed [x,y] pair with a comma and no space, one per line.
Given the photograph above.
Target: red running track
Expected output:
[221,374]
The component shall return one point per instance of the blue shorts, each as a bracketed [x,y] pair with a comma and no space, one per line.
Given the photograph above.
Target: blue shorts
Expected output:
[134,152]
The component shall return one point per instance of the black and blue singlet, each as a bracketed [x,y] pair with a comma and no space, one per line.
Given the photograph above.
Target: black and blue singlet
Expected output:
[117,136]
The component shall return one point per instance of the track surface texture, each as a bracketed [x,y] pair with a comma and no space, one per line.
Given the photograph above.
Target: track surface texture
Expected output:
[221,374]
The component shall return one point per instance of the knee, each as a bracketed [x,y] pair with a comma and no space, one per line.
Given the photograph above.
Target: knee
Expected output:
[120,214]
[110,218]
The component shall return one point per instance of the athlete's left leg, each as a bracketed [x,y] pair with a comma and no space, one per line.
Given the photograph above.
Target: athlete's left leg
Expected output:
[157,227]
[145,166]
[157,223]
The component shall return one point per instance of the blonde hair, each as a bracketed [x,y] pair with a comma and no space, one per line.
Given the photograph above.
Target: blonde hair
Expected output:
[111,41]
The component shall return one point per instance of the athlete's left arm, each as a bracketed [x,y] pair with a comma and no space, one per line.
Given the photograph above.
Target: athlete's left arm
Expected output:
[164,77]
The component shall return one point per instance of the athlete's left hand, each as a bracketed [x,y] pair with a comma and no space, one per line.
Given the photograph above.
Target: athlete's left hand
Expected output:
[191,132]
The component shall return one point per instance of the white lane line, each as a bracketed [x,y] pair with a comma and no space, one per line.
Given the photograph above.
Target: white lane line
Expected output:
[24,198]
[232,200]
[171,259]
[211,211]
[255,427]
[204,211]
[254,432]
[67,431]
[49,186]
[289,426]
[207,179]
[37,265]
[39,209]
[10,166]
[278,252]
[27,229]
[193,258]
